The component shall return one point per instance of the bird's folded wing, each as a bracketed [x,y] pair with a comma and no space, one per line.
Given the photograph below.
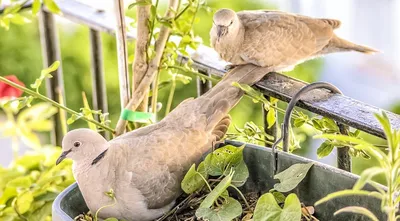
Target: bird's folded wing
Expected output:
[274,37]
[156,163]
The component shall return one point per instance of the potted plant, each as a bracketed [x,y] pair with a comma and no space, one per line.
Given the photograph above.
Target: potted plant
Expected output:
[301,180]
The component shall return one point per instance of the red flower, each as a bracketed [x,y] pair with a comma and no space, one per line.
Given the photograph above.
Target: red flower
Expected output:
[7,91]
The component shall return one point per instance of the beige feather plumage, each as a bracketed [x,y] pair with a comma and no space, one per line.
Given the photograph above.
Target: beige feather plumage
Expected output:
[275,39]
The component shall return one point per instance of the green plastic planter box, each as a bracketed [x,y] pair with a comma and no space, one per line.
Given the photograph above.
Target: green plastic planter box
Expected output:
[320,181]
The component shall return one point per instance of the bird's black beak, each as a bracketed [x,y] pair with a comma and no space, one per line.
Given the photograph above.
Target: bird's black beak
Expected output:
[221,30]
[62,156]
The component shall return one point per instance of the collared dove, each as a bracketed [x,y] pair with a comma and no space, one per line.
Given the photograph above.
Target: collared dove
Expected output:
[145,167]
[275,39]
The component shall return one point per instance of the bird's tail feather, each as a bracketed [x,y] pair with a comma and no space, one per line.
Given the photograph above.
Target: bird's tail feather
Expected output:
[221,128]
[244,74]
[224,96]
[345,45]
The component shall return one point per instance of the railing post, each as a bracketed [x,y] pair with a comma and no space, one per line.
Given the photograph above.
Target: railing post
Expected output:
[273,130]
[343,155]
[99,94]
[51,53]
[202,88]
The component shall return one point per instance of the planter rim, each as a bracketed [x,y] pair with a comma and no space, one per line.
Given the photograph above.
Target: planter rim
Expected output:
[300,158]
[56,207]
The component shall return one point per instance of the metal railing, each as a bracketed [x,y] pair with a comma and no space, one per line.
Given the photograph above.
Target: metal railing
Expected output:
[344,110]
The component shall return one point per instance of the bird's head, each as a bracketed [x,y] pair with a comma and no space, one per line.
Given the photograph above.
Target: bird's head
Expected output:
[82,145]
[225,21]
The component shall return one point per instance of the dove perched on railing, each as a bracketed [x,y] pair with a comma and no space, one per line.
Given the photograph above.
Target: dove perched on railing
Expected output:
[145,167]
[275,39]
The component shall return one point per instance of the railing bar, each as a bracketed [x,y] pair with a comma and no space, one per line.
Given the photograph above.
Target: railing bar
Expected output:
[203,87]
[99,90]
[51,53]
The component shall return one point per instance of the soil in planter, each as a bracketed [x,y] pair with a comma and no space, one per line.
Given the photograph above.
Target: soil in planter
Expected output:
[186,209]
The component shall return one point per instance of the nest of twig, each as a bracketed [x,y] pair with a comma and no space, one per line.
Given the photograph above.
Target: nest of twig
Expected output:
[186,208]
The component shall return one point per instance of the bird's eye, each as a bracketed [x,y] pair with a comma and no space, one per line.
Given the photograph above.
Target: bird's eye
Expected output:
[231,22]
[77,144]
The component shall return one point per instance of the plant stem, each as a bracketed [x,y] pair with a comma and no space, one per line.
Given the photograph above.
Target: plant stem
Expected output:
[183,11]
[155,94]
[153,24]
[204,179]
[194,73]
[109,205]
[54,103]
[63,115]
[170,96]
[195,13]
[241,195]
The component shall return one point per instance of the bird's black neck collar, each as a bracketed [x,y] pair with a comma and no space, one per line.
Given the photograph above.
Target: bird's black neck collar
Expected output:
[99,157]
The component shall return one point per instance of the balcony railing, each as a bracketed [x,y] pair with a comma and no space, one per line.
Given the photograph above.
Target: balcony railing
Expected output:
[340,108]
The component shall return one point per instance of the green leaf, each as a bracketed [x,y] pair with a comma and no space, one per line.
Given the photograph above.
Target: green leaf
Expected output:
[139,3]
[165,23]
[279,197]
[7,194]
[298,122]
[153,11]
[18,19]
[73,118]
[366,176]
[216,162]
[348,193]
[291,177]
[48,196]
[257,96]
[267,209]
[20,182]
[241,174]
[36,6]
[182,78]
[227,212]
[360,144]
[359,210]
[23,202]
[12,9]
[88,114]
[216,192]
[5,23]
[325,149]
[193,181]
[330,124]
[45,73]
[50,69]
[25,102]
[317,123]
[271,117]
[41,213]
[29,162]
[52,6]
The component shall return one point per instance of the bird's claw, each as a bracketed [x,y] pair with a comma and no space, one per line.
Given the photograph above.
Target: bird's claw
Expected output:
[230,67]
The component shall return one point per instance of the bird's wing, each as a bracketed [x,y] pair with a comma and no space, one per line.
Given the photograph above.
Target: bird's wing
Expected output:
[276,38]
[156,159]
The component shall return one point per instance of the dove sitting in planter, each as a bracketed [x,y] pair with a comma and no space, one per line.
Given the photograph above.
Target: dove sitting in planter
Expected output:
[275,39]
[144,167]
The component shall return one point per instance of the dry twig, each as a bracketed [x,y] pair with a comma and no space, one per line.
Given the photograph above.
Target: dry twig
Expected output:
[152,67]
